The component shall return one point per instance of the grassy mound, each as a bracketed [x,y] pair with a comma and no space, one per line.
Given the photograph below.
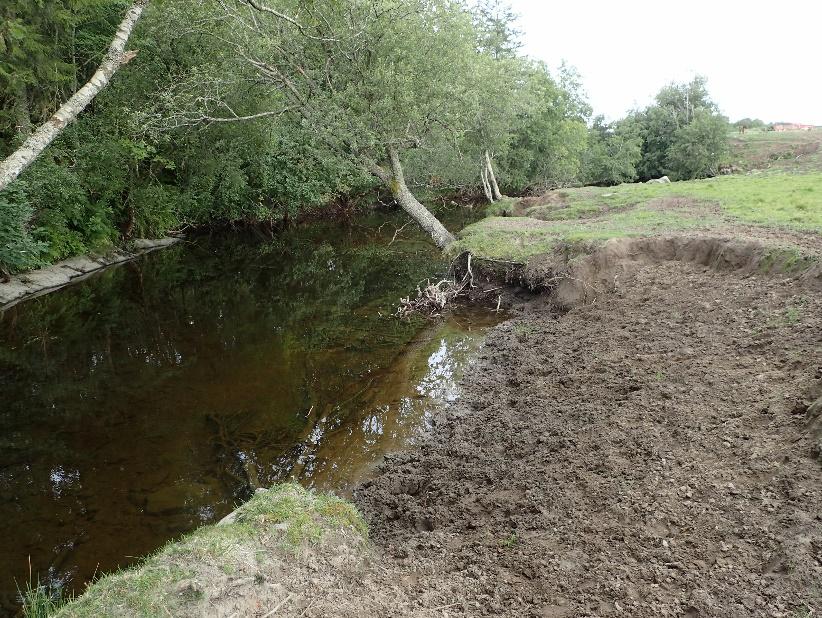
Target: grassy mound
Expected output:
[253,556]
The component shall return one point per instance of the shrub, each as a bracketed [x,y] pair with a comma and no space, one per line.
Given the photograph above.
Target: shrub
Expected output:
[18,250]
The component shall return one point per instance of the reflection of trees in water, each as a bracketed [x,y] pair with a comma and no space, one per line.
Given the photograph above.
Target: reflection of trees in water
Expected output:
[192,305]
[381,411]
[150,382]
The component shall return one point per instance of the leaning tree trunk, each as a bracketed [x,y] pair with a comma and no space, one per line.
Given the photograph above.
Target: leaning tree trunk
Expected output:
[492,177]
[486,186]
[115,57]
[396,181]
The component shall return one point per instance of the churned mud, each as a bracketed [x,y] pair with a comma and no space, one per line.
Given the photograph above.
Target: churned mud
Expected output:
[650,452]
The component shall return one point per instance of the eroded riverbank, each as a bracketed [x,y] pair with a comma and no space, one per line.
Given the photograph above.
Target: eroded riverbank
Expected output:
[647,454]
[651,452]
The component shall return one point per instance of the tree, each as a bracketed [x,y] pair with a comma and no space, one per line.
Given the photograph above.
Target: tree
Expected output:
[749,123]
[497,95]
[549,136]
[370,79]
[612,154]
[666,137]
[495,22]
[39,140]
[698,147]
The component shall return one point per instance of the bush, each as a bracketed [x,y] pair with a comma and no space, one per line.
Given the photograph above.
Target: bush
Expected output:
[698,148]
[683,134]
[65,220]
[155,208]
[18,250]
[611,156]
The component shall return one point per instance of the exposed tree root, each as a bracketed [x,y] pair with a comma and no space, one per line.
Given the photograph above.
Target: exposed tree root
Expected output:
[435,297]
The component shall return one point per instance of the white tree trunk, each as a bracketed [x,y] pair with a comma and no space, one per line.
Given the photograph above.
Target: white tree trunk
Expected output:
[492,177]
[486,187]
[396,182]
[116,56]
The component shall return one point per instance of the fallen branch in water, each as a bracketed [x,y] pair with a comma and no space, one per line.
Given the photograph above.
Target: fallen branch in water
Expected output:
[434,297]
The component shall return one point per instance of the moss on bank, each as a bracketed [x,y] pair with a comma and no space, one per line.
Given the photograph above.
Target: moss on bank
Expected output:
[264,541]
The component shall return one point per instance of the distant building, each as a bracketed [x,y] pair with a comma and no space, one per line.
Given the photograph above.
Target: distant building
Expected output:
[792,126]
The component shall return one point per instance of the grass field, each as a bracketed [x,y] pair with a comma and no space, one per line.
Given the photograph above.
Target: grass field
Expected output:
[789,151]
[785,197]
[775,200]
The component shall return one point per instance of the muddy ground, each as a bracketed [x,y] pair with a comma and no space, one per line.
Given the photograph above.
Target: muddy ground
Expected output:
[647,454]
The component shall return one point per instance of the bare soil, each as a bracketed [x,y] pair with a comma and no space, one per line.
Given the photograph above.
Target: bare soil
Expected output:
[648,453]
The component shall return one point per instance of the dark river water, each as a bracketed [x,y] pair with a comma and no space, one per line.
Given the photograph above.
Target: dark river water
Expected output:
[151,398]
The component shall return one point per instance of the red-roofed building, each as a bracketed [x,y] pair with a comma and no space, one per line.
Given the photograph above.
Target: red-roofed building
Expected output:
[792,126]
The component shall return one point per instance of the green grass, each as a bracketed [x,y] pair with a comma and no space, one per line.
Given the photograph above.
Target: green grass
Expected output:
[502,208]
[792,201]
[589,215]
[39,601]
[285,518]
[516,239]
[790,151]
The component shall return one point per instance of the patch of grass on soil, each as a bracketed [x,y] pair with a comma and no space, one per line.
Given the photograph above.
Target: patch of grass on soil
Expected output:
[282,520]
[518,238]
[780,201]
[793,201]
[506,207]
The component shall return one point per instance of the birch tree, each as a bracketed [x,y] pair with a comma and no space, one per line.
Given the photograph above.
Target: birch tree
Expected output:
[38,140]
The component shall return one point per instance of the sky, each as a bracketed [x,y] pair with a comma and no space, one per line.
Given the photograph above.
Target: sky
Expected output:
[762,58]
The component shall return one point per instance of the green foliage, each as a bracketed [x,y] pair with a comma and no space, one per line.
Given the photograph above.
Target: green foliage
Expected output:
[64,219]
[698,147]
[549,136]
[612,154]
[496,26]
[18,249]
[669,141]
[46,48]
[441,82]
[39,601]
[750,123]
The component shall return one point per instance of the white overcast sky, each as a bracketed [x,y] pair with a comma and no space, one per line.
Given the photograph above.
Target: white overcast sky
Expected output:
[763,59]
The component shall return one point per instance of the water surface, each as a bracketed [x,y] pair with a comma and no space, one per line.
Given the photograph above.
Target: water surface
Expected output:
[152,398]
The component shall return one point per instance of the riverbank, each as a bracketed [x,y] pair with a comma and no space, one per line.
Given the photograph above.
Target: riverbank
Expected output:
[652,450]
[284,539]
[56,276]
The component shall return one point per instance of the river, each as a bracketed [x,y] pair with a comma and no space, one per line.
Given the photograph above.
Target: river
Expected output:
[151,398]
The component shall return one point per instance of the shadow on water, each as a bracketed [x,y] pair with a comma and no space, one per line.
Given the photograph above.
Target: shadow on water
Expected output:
[152,398]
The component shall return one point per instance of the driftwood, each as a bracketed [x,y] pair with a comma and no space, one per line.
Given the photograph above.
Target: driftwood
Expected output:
[433,298]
